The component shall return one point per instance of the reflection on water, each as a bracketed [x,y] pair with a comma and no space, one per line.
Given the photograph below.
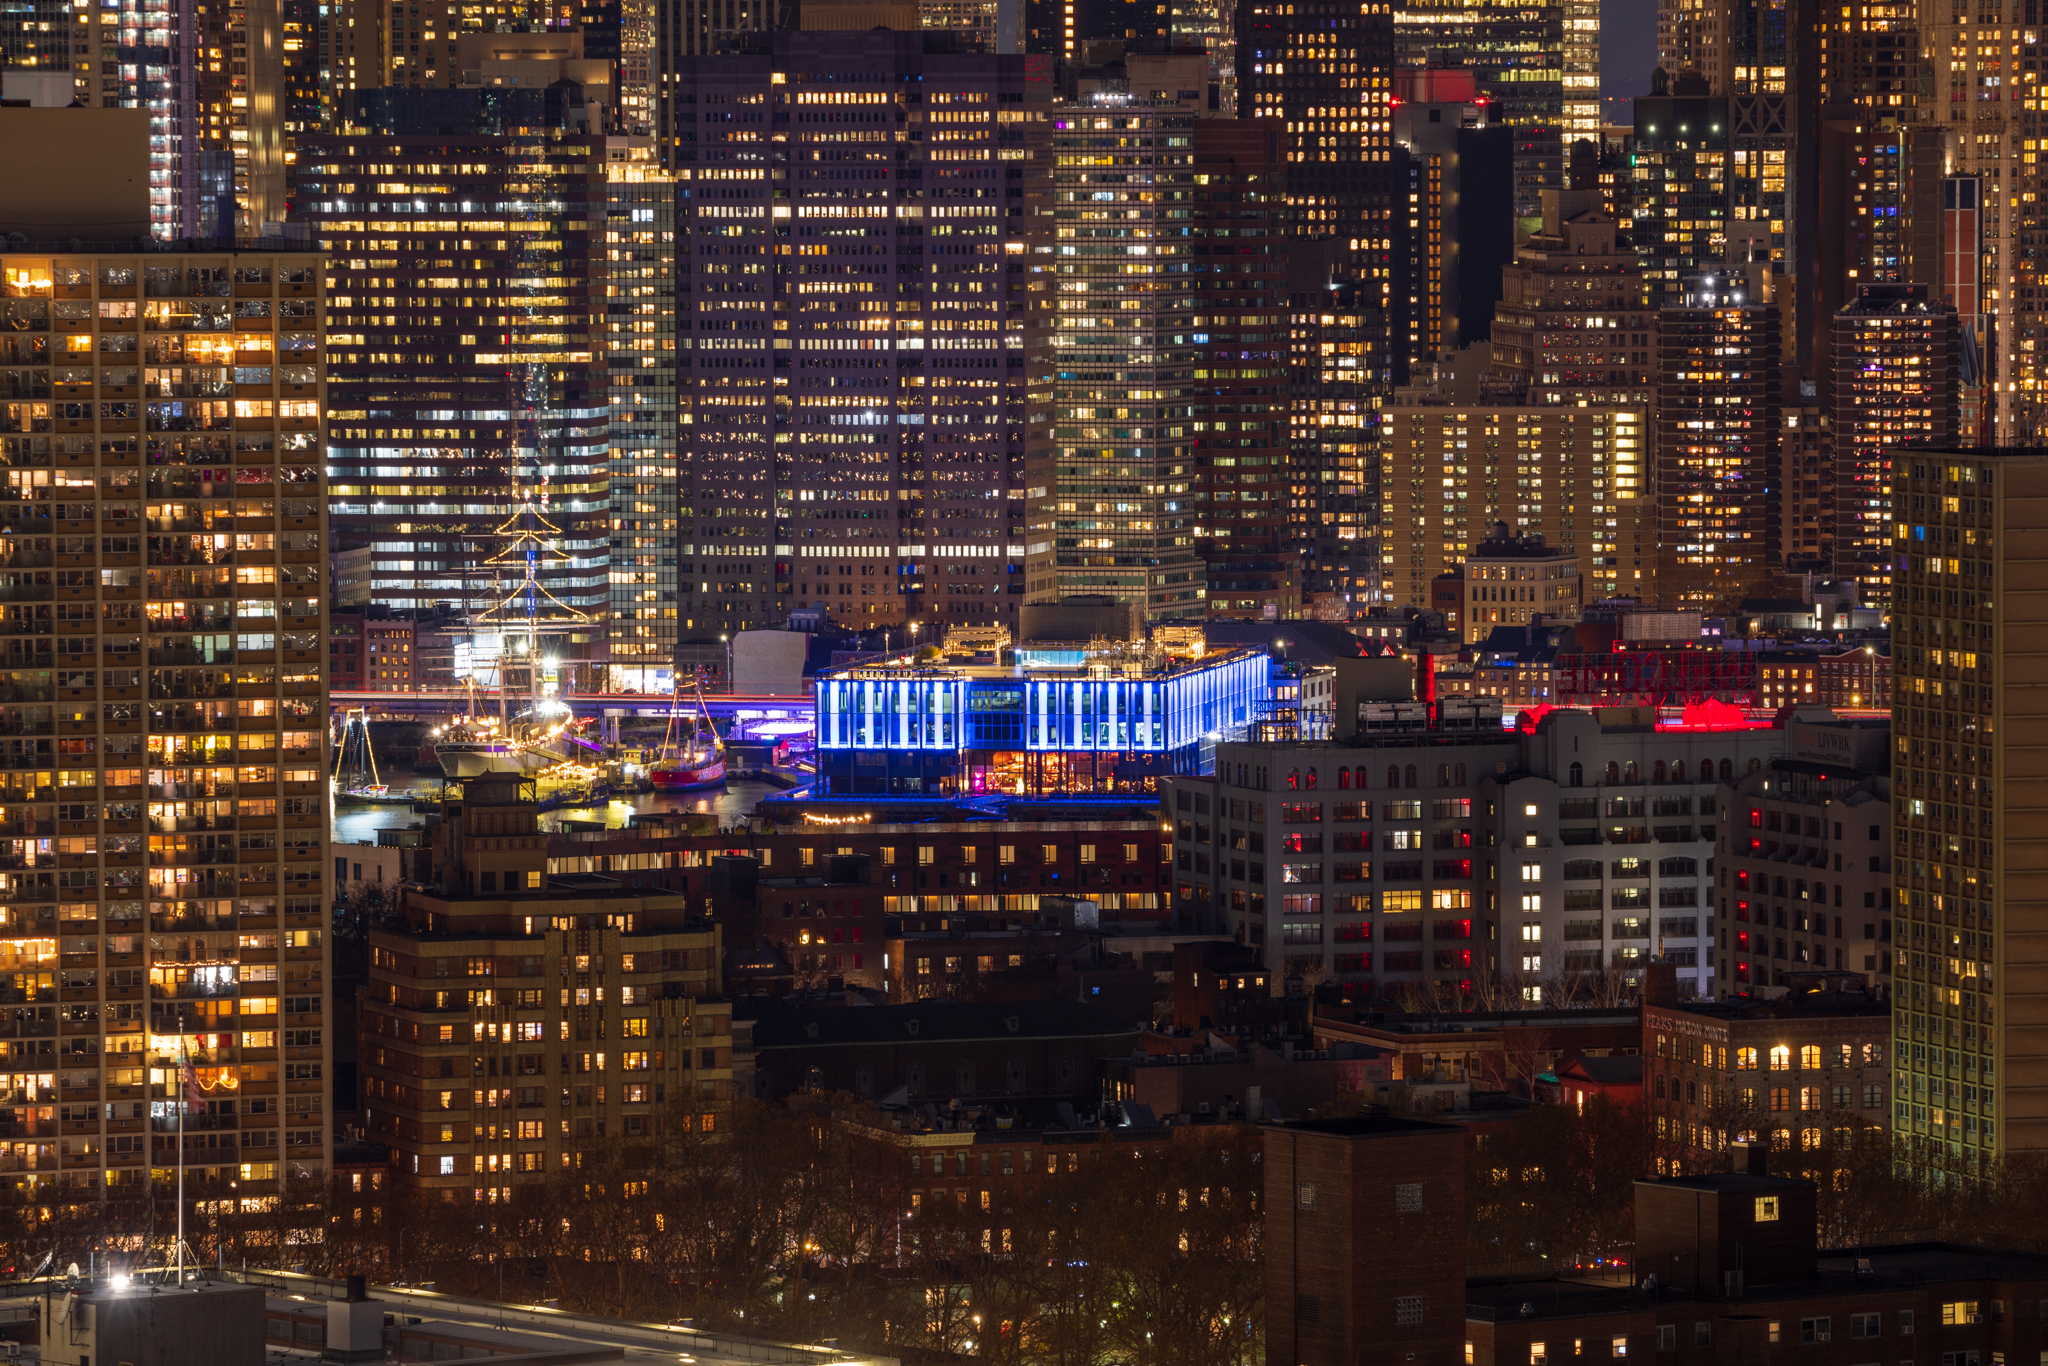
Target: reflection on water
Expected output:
[360,824]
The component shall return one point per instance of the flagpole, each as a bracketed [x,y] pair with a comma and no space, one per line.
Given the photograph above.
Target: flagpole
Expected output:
[179,1087]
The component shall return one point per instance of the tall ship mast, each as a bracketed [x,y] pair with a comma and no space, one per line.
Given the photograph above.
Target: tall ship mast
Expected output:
[543,731]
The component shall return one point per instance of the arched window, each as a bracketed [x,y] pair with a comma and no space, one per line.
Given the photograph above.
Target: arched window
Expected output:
[1343,777]
[1410,776]
[1293,779]
[1461,775]
[1678,770]
[1578,775]
[1363,780]
[1311,780]
[1629,774]
[1393,776]
[1727,772]
[1443,775]
[1657,772]
[1613,773]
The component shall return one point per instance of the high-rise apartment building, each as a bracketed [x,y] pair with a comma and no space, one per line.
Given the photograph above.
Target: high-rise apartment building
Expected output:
[1064,28]
[854,433]
[241,105]
[1806,482]
[472,345]
[696,28]
[977,24]
[1110,474]
[1965,844]
[1335,357]
[1718,399]
[1556,443]
[1517,52]
[1897,362]
[1711,178]
[1991,126]
[1571,325]
[1452,235]
[639,351]
[1580,477]
[1239,432]
[1734,46]
[477,1071]
[211,78]
[1327,74]
[305,96]
[163,804]
[1582,114]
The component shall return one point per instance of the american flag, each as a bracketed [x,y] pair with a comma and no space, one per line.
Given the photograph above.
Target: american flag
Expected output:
[195,1099]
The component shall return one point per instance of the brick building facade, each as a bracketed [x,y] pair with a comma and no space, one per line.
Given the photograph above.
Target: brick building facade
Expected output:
[1739,1280]
[991,867]
[937,1050]
[1781,1066]
[1365,1242]
[513,1017]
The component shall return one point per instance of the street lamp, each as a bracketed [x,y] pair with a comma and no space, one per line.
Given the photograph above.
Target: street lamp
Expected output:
[726,641]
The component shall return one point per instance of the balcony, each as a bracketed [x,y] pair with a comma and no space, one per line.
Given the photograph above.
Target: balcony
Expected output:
[178,825]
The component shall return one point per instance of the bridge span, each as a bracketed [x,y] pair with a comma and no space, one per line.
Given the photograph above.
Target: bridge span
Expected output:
[440,704]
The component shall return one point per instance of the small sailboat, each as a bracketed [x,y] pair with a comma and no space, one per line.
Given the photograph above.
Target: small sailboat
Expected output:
[355,777]
[691,756]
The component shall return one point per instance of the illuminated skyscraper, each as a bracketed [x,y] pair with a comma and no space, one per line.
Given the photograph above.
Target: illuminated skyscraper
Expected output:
[1990,122]
[1326,71]
[853,333]
[1572,325]
[1717,445]
[1896,359]
[1967,838]
[163,807]
[1577,476]
[1333,510]
[1582,116]
[1712,175]
[639,351]
[1452,236]
[478,368]
[1517,52]
[1239,432]
[1064,28]
[1113,344]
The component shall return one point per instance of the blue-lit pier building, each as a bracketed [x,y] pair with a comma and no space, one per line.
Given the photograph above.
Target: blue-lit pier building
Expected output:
[1040,727]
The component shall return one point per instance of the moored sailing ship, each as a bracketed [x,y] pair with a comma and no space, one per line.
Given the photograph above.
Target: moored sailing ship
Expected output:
[545,732]
[691,755]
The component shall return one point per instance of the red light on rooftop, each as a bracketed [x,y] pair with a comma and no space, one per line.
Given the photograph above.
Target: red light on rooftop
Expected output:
[1711,714]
